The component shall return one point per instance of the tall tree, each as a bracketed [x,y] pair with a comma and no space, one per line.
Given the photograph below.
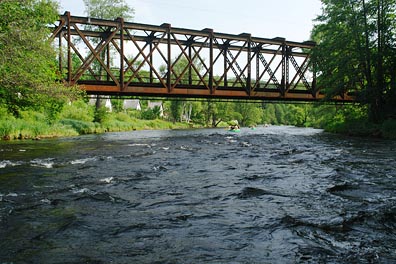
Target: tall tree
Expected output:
[109,9]
[250,113]
[27,59]
[356,51]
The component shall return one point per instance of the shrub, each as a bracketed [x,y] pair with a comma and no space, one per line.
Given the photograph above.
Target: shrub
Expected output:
[81,127]
[7,129]
[100,115]
[388,129]
[78,110]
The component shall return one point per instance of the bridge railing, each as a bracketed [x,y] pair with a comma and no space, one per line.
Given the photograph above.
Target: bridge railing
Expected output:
[118,57]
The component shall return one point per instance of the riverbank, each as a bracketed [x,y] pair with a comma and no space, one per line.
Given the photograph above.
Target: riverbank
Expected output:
[22,129]
[37,127]
[79,121]
[364,128]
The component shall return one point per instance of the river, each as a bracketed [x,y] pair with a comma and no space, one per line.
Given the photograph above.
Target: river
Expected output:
[269,195]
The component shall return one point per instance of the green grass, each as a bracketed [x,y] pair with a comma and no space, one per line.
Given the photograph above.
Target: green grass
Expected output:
[33,125]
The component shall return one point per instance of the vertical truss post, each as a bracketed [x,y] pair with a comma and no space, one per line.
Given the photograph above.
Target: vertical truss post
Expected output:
[69,61]
[285,69]
[60,52]
[122,62]
[225,49]
[151,62]
[249,62]
[190,56]
[210,46]
[169,57]
[287,58]
[108,61]
[258,66]
[211,60]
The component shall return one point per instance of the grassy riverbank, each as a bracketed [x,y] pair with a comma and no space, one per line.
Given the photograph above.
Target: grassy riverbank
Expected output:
[80,118]
[13,128]
[35,125]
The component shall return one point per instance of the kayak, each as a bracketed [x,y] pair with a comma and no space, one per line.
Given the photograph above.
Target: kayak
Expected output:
[234,130]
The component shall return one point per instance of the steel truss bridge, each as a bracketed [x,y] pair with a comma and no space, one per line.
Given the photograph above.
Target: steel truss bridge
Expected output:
[114,57]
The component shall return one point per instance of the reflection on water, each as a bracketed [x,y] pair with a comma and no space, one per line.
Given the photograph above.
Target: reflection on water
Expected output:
[270,195]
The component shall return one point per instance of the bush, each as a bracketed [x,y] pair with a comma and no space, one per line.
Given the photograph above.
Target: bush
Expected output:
[388,129]
[123,117]
[100,115]
[7,129]
[151,114]
[78,110]
[116,125]
[81,127]
[31,116]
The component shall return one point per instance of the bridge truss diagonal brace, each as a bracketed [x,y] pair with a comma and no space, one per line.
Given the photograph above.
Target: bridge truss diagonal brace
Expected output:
[96,54]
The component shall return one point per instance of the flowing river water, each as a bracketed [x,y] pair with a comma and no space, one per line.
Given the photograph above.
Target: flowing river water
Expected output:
[270,195]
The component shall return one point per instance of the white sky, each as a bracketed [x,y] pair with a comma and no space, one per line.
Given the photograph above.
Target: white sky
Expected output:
[290,19]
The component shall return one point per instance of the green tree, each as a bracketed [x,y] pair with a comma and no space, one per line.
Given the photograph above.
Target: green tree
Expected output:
[268,116]
[356,52]
[225,111]
[27,58]
[151,114]
[250,113]
[109,9]
[176,109]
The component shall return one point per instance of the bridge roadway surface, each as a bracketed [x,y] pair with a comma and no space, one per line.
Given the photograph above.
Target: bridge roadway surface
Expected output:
[114,57]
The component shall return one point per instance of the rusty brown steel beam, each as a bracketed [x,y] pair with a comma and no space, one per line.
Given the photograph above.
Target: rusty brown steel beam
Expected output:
[197,43]
[267,94]
[203,93]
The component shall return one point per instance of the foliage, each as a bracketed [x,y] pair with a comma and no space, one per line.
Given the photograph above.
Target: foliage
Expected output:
[100,114]
[78,110]
[27,75]
[250,114]
[388,129]
[356,52]
[151,114]
[176,110]
[82,127]
[108,9]
[31,124]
